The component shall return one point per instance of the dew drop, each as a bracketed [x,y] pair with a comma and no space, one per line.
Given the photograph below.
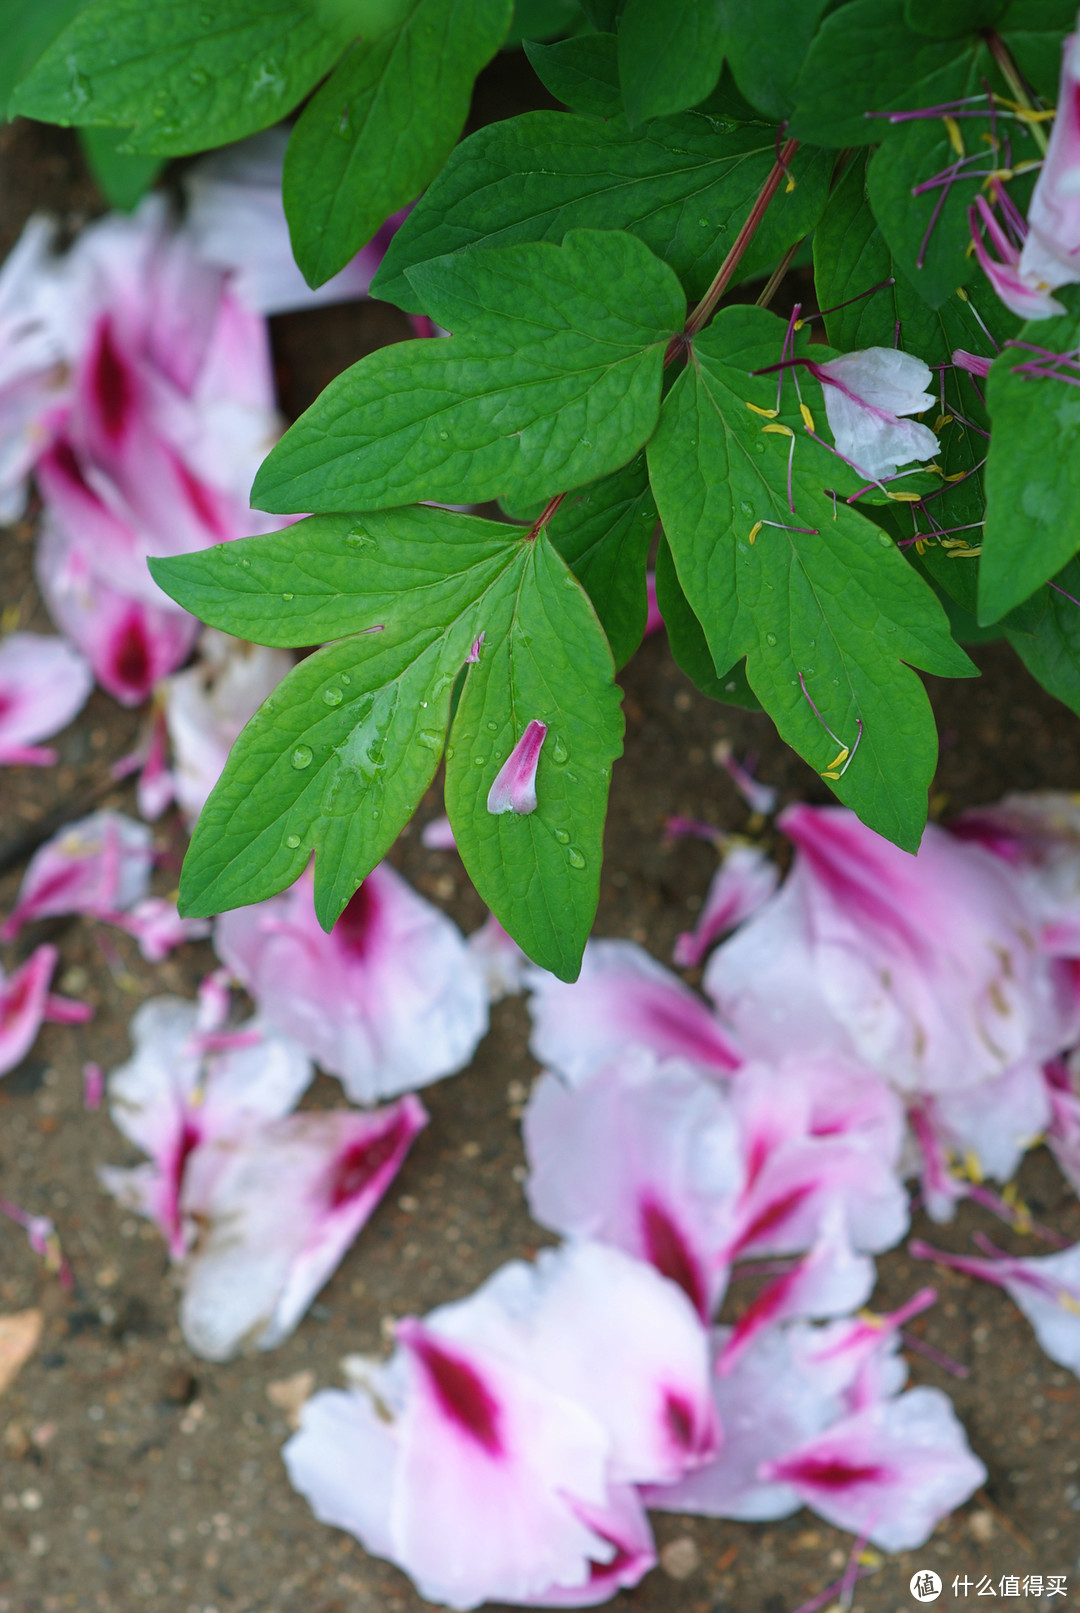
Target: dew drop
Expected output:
[494,727]
[747,509]
[345,678]
[301,756]
[444,435]
[199,76]
[562,836]
[478,761]
[559,752]
[286,597]
[332,697]
[246,564]
[574,857]
[376,812]
[449,752]
[292,841]
[770,638]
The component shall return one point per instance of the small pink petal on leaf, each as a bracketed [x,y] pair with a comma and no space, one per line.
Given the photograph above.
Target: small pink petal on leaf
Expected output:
[514,788]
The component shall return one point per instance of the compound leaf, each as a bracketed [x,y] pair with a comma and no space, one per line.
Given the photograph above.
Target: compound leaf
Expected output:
[552,381]
[820,595]
[336,760]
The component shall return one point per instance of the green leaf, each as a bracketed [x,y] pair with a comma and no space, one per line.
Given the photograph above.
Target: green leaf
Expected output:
[545,657]
[669,56]
[603,533]
[688,644]
[542,19]
[338,757]
[123,179]
[948,19]
[766,42]
[1032,469]
[866,57]
[685,187]
[30,26]
[1051,648]
[181,76]
[552,381]
[583,73]
[836,603]
[382,125]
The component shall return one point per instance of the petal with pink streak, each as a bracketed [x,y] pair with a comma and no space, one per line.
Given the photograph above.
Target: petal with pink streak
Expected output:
[44,683]
[767,1406]
[501,960]
[1054,211]
[157,926]
[665,1193]
[277,1206]
[830,1280]
[98,866]
[129,644]
[610,1333]
[927,968]
[175,1094]
[745,879]
[890,1472]
[622,998]
[392,999]
[622,1524]
[23,998]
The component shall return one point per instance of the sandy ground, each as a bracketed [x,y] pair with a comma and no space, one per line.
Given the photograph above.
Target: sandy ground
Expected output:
[134,1477]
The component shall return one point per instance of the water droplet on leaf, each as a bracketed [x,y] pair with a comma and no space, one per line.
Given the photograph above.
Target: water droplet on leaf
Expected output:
[286,596]
[332,697]
[562,836]
[301,756]
[292,841]
[574,857]
[559,752]
[770,638]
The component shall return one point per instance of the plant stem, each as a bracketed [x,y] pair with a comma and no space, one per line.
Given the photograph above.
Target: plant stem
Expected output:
[544,517]
[1011,74]
[704,310]
[773,283]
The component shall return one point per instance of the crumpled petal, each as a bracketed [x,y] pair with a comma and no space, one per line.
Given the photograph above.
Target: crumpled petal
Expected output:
[276,1207]
[98,866]
[390,1000]
[44,683]
[622,998]
[157,926]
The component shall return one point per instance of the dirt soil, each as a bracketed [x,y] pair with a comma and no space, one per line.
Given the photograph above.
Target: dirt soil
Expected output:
[137,1479]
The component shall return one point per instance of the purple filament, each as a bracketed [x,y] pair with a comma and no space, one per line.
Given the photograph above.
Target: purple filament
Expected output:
[1059,590]
[932,1353]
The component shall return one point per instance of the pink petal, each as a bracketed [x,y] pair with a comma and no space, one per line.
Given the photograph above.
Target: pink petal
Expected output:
[44,683]
[623,998]
[158,927]
[97,866]
[390,1000]
[744,881]
[501,960]
[277,1206]
[514,787]
[438,835]
[666,1194]
[890,1472]
[23,996]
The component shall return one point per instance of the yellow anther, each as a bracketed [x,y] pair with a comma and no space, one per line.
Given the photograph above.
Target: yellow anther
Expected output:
[10,618]
[798,325]
[920,545]
[1070,1301]
[952,129]
[869,1559]
[942,420]
[871,1319]
[972,1168]
[781,431]
[808,419]
[840,758]
[960,292]
[770,414]
[966,554]
[755,529]
[905,498]
[957,476]
[790,186]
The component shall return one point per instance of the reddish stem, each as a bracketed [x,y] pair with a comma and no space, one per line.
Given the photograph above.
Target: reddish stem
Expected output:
[704,310]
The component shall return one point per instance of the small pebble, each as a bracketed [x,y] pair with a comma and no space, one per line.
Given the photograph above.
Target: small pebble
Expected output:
[679,1558]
